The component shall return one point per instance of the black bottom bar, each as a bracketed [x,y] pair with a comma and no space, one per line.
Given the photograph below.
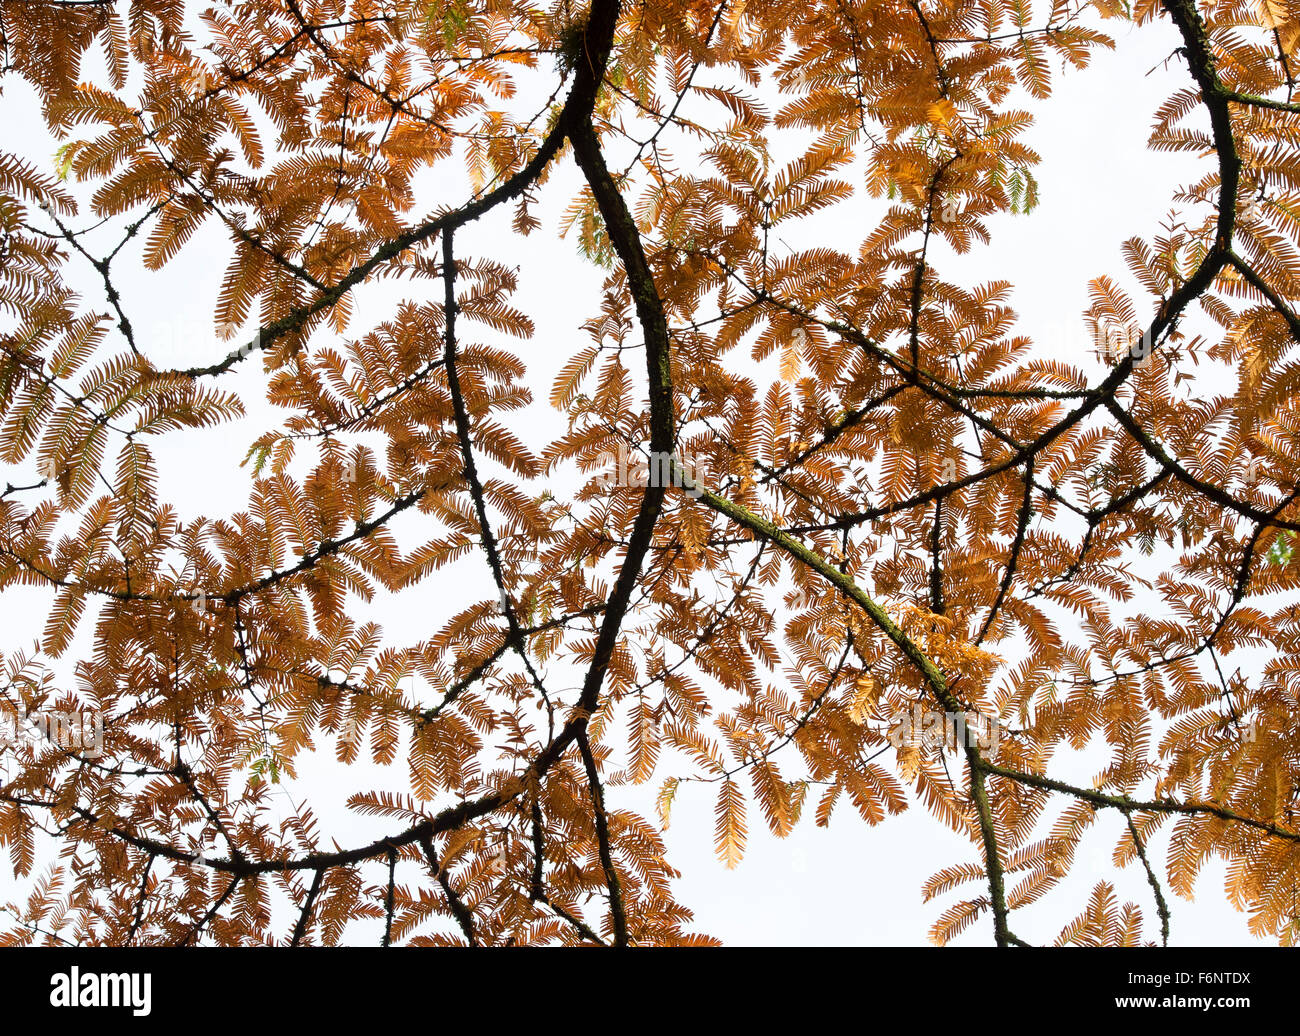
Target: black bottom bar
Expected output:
[211,986]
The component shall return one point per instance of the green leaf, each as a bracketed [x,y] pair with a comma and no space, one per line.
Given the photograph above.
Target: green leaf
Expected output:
[1281,550]
[63,158]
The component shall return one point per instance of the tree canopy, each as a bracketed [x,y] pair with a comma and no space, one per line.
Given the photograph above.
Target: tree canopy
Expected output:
[802,494]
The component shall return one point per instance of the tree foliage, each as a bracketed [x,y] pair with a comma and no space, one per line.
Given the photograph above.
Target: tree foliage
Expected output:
[911,506]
